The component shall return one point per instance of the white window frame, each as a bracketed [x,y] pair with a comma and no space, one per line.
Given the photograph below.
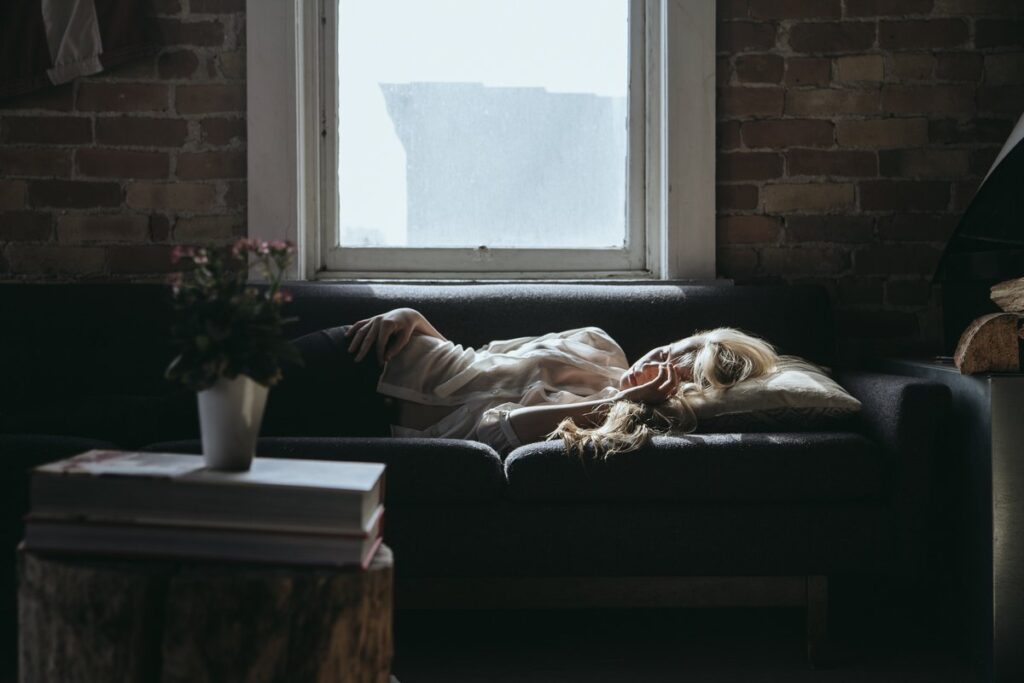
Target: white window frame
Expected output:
[672,210]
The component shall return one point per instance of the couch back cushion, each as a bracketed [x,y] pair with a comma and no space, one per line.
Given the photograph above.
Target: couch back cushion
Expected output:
[80,339]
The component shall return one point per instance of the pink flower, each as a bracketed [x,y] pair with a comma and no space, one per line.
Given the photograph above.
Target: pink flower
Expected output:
[282,297]
[279,245]
[180,252]
[201,258]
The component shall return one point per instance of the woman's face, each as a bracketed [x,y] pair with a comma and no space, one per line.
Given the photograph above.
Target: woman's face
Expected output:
[680,354]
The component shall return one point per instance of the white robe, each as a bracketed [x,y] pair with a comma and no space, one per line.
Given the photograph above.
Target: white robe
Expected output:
[488,383]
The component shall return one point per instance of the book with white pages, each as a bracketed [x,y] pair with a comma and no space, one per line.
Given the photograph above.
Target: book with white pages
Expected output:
[113,538]
[149,488]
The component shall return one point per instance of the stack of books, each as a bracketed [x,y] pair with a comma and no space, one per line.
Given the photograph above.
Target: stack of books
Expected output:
[309,512]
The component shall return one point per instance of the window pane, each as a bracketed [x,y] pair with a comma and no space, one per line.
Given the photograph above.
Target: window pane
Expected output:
[464,123]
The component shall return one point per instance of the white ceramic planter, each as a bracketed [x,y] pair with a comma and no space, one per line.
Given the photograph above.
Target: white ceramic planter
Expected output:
[230,413]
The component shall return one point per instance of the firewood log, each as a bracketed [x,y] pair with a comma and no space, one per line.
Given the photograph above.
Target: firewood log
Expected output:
[990,344]
[1009,295]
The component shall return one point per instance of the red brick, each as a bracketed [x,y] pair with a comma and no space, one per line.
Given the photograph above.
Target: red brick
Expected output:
[199,165]
[982,160]
[873,324]
[998,33]
[117,227]
[103,162]
[222,131]
[812,162]
[917,227]
[735,197]
[59,98]
[110,97]
[913,66]
[950,131]
[895,195]
[236,195]
[43,259]
[138,69]
[1004,69]
[827,229]
[860,68]
[180,196]
[979,8]
[47,130]
[782,134]
[159,227]
[232,64]
[808,197]
[199,33]
[748,166]
[1001,99]
[143,258]
[881,8]
[216,6]
[79,194]
[177,64]
[833,37]
[882,133]
[735,103]
[924,163]
[12,194]
[808,71]
[202,229]
[723,71]
[759,68]
[25,226]
[39,162]
[908,292]
[896,259]
[747,229]
[963,193]
[727,135]
[928,34]
[928,99]
[831,102]
[731,9]
[143,132]
[206,99]
[958,66]
[803,261]
[744,36]
[736,263]
[795,9]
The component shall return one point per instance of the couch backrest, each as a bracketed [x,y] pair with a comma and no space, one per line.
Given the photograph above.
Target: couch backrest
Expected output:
[85,339]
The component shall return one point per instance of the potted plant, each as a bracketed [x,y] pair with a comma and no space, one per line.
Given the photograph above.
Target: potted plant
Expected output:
[231,341]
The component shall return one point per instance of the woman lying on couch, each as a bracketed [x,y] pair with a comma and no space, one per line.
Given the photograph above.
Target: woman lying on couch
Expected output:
[576,384]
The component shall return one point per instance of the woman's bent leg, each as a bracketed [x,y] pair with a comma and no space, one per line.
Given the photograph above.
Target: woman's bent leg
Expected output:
[330,394]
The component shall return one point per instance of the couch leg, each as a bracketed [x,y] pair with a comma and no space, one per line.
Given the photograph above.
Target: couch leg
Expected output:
[817,619]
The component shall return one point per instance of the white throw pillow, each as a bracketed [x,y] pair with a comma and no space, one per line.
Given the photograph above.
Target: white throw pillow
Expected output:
[798,396]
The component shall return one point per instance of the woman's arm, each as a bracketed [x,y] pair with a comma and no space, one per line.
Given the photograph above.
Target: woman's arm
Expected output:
[390,332]
[533,423]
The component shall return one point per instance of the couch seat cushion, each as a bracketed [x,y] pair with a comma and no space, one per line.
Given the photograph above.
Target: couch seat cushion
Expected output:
[418,470]
[780,467]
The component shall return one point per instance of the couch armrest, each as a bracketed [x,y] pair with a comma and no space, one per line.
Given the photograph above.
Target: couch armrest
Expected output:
[904,415]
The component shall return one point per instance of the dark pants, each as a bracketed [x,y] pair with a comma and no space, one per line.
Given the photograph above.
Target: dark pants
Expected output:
[330,394]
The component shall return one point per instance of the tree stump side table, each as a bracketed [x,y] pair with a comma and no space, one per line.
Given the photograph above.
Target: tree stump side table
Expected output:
[90,619]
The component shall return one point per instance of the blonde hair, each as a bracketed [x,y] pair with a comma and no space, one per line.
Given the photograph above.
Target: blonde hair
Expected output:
[727,357]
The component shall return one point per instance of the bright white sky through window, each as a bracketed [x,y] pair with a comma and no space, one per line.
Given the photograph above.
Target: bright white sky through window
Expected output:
[433,56]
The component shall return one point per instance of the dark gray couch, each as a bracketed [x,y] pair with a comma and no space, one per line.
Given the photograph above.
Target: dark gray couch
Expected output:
[83,365]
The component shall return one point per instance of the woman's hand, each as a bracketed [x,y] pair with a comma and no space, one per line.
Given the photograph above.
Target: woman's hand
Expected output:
[645,369]
[389,332]
[656,383]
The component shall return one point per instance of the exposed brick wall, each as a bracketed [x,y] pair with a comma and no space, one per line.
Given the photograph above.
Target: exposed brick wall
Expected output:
[98,178]
[852,133]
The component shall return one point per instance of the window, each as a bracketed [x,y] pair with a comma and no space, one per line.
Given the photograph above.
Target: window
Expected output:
[492,138]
